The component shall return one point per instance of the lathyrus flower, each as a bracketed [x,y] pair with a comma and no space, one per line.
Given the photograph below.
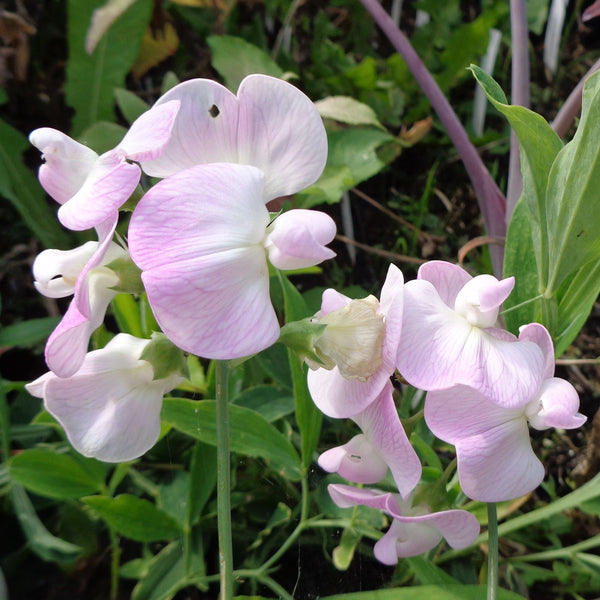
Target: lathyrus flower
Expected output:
[110,408]
[83,273]
[202,238]
[92,188]
[495,459]
[357,349]
[449,337]
[270,125]
[414,529]
[382,444]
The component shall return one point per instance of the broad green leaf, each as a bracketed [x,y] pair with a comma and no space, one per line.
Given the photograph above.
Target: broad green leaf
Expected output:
[539,147]
[203,471]
[173,497]
[572,196]
[428,592]
[40,540]
[428,573]
[91,79]
[272,402]
[250,433]
[519,261]
[22,189]
[54,475]
[576,298]
[27,333]
[102,136]
[102,19]
[347,110]
[308,416]
[135,518]
[167,573]
[235,58]
[343,553]
[353,157]
[130,104]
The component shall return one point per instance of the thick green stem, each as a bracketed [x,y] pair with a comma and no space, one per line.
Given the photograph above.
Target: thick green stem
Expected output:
[224,481]
[492,580]
[115,550]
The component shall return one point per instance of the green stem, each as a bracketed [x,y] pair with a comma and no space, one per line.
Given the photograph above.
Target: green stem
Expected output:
[114,563]
[224,481]
[492,576]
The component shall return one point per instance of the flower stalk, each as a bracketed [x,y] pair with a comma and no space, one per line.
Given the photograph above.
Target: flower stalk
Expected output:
[492,576]
[224,481]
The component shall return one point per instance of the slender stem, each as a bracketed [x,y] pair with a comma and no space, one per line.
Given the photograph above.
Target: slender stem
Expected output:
[491,200]
[224,481]
[492,581]
[115,549]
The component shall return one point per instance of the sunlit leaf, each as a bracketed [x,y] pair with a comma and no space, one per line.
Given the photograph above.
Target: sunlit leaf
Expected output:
[102,19]
[157,45]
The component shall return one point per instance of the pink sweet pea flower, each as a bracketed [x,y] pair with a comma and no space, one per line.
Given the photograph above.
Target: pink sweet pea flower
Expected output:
[81,272]
[449,338]
[92,188]
[336,394]
[110,408]
[201,238]
[495,459]
[382,443]
[414,530]
[270,125]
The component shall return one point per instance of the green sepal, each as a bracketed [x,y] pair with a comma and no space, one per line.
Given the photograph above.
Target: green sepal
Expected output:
[165,358]
[130,276]
[301,336]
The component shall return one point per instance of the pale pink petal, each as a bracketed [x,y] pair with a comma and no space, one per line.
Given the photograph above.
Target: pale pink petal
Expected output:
[280,131]
[339,397]
[68,343]
[382,427]
[448,279]
[346,496]
[538,334]
[356,461]
[198,238]
[108,186]
[150,132]
[439,349]
[495,458]
[480,298]
[201,211]
[110,408]
[556,405]
[297,238]
[56,271]
[204,131]
[403,540]
[67,163]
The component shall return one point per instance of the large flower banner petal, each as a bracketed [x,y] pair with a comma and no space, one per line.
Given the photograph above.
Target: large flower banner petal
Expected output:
[198,238]
[270,124]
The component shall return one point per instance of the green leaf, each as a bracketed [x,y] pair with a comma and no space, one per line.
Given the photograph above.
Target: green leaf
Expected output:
[519,261]
[135,518]
[235,58]
[102,136]
[27,333]
[203,473]
[54,475]
[91,80]
[539,146]
[428,573]
[127,314]
[343,553]
[353,157]
[429,592]
[40,540]
[250,433]
[130,104]
[20,186]
[272,402]
[167,572]
[345,109]
[572,196]
[308,416]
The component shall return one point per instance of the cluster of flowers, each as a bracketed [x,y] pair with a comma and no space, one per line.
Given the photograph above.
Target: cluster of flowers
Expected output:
[198,242]
[485,386]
